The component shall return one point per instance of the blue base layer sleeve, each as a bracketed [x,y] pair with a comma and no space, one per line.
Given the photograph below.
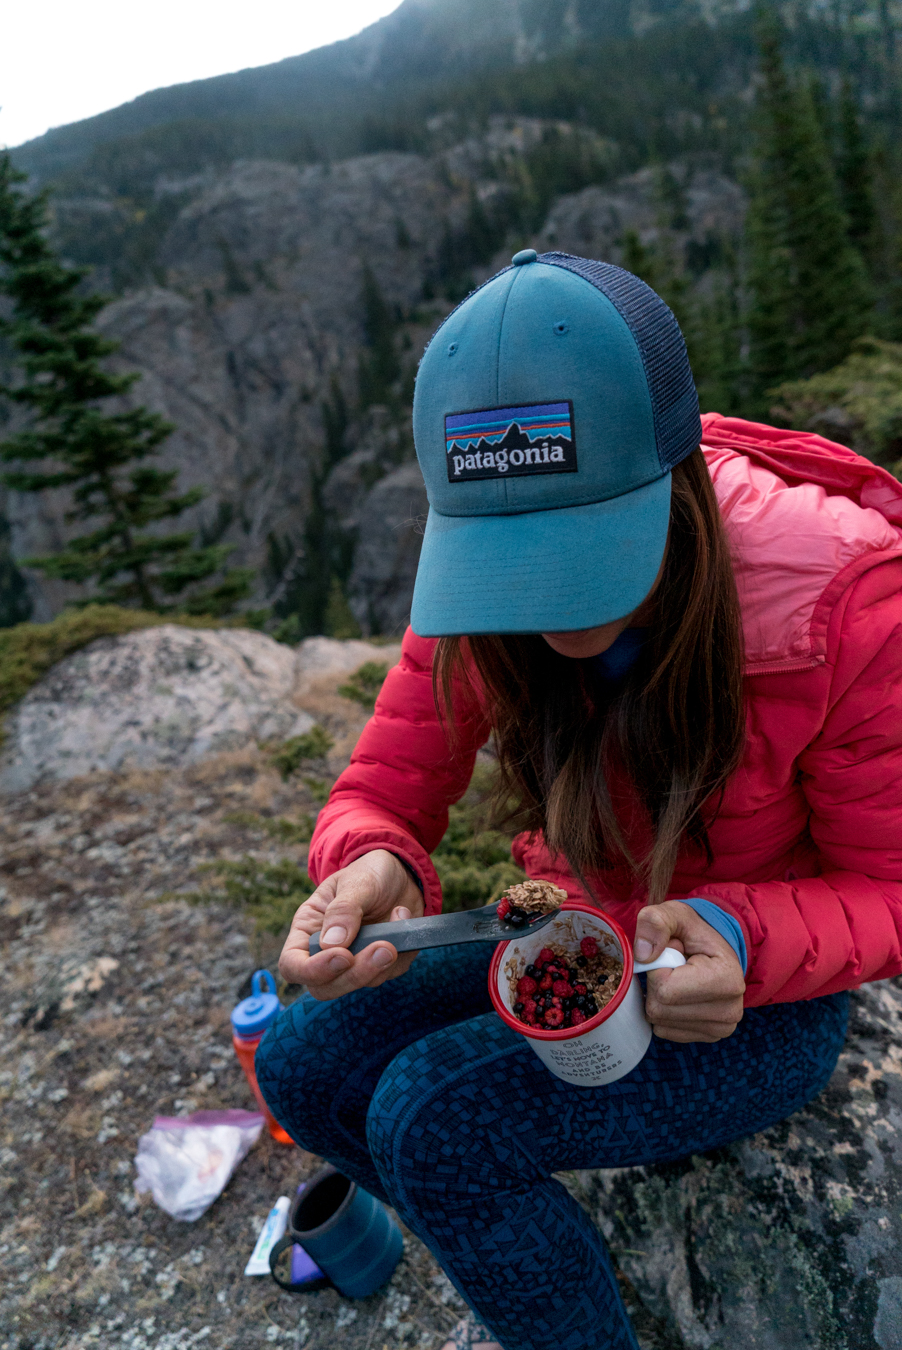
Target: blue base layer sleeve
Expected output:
[724,924]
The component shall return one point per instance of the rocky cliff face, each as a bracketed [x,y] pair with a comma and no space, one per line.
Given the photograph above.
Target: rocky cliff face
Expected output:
[282,339]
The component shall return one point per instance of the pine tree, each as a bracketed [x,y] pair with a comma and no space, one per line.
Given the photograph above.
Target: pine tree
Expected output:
[100,457]
[855,172]
[810,296]
[379,364]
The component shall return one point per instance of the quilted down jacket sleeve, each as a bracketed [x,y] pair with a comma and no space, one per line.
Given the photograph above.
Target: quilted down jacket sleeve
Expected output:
[405,771]
[835,931]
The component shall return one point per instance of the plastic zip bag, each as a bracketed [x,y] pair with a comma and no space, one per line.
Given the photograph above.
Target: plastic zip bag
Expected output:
[186,1161]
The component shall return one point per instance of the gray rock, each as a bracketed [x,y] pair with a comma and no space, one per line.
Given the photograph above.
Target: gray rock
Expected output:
[792,1238]
[161,697]
[321,658]
[709,210]
[258,320]
[385,561]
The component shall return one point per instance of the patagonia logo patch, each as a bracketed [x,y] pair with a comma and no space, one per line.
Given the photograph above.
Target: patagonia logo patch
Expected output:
[510,442]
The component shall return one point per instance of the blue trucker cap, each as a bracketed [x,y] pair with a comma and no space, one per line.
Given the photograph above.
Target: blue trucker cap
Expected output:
[549,409]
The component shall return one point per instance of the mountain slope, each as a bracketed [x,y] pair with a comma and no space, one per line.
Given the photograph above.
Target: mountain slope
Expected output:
[422,40]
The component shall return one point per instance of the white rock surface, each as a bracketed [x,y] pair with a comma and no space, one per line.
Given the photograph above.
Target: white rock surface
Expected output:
[159,697]
[168,696]
[319,658]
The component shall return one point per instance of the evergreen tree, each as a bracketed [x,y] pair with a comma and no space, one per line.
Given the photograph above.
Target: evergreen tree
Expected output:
[379,364]
[99,456]
[810,297]
[855,172]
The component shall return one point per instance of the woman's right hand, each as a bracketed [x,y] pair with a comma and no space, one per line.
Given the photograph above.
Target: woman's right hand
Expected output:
[373,889]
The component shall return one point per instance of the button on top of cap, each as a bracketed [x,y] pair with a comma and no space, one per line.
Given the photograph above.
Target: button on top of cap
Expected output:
[526,255]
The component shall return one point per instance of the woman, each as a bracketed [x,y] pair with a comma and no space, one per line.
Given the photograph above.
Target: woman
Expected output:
[689,659]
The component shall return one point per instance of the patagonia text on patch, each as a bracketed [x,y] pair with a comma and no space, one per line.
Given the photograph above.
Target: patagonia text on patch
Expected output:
[510,442]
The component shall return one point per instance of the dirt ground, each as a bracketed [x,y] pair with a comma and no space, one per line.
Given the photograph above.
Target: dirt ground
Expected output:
[115,1009]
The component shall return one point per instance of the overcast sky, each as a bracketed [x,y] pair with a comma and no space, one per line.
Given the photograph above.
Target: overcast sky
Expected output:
[62,60]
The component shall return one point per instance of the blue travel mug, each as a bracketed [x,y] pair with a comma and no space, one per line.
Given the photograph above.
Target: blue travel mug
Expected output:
[347,1232]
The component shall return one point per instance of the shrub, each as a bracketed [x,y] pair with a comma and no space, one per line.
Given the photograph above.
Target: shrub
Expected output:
[277,827]
[474,862]
[858,402]
[364,685]
[269,893]
[290,755]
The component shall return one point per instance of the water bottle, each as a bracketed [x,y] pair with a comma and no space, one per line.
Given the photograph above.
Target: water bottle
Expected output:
[250,1018]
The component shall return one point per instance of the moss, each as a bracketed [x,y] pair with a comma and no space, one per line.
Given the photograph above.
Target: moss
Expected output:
[28,650]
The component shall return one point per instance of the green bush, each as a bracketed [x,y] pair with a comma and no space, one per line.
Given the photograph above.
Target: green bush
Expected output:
[269,893]
[474,862]
[858,402]
[291,754]
[364,685]
[277,827]
[318,788]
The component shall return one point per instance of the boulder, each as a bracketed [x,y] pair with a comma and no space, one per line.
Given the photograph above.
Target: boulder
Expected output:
[169,696]
[156,698]
[334,659]
[789,1240]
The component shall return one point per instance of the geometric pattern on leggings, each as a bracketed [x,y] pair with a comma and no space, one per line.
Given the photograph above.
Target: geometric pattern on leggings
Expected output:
[463,1126]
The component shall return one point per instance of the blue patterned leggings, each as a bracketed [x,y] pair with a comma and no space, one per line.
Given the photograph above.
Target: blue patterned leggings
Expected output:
[419,1092]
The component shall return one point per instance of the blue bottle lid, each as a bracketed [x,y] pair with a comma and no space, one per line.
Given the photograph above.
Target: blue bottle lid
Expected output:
[253,1015]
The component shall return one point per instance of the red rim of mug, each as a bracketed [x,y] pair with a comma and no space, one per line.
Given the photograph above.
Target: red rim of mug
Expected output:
[565,1033]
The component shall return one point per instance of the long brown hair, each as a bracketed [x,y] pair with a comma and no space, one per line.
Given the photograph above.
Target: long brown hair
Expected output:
[675,728]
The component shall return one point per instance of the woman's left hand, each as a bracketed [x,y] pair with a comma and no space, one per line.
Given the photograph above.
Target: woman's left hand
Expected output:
[701,1001]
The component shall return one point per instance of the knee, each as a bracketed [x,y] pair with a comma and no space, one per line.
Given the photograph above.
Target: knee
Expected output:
[297,1079]
[431,1127]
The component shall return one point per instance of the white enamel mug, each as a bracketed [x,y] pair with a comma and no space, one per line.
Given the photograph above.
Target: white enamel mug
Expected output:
[611,1043]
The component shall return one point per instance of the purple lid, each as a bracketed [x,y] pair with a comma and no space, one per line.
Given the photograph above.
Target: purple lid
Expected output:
[253,1015]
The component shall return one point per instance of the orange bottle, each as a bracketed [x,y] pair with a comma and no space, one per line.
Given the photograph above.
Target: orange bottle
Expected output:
[250,1018]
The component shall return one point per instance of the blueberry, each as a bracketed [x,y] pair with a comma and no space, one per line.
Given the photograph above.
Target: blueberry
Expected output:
[581,962]
[518,1007]
[531,972]
[517,918]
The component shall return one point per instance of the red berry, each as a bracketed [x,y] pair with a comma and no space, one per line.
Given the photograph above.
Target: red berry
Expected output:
[589,947]
[545,982]
[579,989]
[555,1002]
[546,954]
[503,906]
[526,985]
[529,1005]
[529,1019]
[554,1017]
[563,988]
[577,1018]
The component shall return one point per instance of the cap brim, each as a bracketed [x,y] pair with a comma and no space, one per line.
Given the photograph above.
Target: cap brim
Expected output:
[540,571]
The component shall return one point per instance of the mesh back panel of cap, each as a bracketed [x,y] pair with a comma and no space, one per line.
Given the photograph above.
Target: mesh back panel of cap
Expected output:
[674,401]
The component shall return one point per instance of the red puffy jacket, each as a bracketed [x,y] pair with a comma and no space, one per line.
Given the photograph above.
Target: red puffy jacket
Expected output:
[808,841]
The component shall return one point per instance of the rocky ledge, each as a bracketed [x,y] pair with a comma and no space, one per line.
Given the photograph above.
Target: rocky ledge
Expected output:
[116,1000]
